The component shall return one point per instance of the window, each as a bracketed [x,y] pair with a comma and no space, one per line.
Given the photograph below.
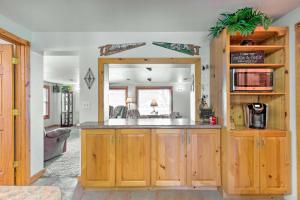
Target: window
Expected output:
[162,95]
[118,96]
[46,102]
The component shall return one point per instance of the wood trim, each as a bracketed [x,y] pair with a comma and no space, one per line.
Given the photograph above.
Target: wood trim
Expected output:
[47,116]
[297,66]
[36,176]
[9,37]
[153,88]
[102,61]
[22,121]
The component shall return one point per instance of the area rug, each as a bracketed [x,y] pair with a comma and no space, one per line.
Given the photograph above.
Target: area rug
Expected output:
[68,164]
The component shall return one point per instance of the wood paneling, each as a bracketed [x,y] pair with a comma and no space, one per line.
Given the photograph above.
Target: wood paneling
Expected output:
[133,157]
[168,157]
[98,158]
[203,157]
[6,117]
[274,163]
[103,61]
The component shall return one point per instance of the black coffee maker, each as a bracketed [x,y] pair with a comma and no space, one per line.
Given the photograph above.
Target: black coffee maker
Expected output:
[256,115]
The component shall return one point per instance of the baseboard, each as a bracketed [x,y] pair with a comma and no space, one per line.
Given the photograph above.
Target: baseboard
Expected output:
[37,176]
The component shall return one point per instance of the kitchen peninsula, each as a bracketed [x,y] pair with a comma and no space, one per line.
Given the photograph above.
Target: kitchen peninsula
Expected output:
[150,153]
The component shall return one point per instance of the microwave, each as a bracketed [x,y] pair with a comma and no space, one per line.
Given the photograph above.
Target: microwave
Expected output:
[251,79]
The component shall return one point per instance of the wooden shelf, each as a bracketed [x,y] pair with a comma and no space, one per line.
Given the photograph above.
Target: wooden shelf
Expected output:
[266,48]
[243,128]
[256,93]
[274,66]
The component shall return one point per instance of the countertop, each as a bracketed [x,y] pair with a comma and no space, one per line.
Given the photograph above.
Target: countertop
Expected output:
[147,123]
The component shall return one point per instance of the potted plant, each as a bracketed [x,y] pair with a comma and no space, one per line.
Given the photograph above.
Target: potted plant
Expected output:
[243,21]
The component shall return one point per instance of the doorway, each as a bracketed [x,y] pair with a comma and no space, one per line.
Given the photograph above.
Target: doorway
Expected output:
[14,107]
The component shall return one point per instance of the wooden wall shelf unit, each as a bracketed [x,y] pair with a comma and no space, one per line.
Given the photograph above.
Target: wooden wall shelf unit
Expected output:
[247,153]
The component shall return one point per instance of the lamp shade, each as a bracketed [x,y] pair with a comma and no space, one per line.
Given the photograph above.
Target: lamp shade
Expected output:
[129,100]
[153,103]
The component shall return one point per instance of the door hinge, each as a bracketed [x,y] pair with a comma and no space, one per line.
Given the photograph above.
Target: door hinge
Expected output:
[15,112]
[16,164]
[15,61]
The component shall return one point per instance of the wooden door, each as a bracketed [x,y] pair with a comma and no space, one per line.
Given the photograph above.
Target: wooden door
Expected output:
[98,157]
[6,117]
[133,157]
[168,157]
[203,157]
[243,167]
[275,162]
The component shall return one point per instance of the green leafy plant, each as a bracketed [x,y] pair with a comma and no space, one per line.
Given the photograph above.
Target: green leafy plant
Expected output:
[244,21]
[66,89]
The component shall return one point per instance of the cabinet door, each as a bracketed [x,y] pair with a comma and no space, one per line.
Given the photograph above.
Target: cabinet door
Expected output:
[133,157]
[203,157]
[275,162]
[98,158]
[243,165]
[168,157]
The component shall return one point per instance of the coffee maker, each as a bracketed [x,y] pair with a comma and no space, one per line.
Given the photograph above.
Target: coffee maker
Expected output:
[255,115]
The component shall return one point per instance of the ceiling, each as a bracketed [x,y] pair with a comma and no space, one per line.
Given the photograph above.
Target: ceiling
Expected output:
[159,73]
[63,69]
[129,15]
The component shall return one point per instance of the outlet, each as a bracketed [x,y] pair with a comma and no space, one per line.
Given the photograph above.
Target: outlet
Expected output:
[86,105]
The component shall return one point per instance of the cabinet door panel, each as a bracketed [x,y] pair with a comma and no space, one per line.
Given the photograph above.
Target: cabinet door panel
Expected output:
[133,157]
[243,169]
[275,164]
[168,157]
[98,157]
[203,157]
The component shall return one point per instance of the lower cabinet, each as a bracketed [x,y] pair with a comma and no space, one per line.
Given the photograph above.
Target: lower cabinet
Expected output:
[168,157]
[98,158]
[133,157]
[256,162]
[150,157]
[203,157]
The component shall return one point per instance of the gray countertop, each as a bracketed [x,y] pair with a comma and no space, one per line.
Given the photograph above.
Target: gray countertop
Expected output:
[147,123]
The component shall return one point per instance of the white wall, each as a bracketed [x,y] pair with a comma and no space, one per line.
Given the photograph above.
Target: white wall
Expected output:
[290,20]
[36,113]
[14,28]
[87,44]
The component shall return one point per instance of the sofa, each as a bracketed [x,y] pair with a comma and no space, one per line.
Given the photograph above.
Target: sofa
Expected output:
[55,142]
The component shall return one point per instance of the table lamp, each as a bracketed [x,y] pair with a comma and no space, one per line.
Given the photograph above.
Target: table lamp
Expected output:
[153,105]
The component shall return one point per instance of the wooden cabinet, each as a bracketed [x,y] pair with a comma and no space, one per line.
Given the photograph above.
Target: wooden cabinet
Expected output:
[168,157]
[256,162]
[133,157]
[98,158]
[203,157]
[243,163]
[274,163]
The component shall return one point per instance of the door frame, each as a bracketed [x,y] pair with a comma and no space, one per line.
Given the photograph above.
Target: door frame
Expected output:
[196,61]
[297,66]
[22,120]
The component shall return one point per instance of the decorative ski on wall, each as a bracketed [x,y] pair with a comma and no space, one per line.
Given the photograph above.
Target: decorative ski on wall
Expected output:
[110,49]
[189,49]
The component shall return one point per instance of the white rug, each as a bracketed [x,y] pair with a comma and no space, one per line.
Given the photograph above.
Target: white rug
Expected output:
[68,164]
